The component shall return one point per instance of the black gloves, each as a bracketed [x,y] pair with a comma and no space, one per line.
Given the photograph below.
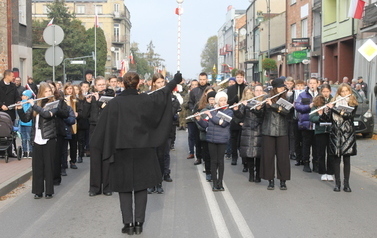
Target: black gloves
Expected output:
[178,78]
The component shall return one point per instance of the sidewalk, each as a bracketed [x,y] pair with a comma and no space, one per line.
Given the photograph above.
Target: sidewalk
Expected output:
[13,173]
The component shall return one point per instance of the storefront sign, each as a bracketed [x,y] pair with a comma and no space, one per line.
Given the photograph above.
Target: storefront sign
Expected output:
[300,42]
[297,57]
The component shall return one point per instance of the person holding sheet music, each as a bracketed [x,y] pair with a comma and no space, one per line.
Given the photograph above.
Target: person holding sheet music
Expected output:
[342,134]
[44,138]
[251,136]
[99,169]
[275,137]
[218,134]
[325,166]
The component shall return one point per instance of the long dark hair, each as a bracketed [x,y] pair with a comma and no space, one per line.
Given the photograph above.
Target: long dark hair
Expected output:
[274,91]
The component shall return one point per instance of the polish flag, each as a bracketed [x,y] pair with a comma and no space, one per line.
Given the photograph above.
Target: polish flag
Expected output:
[179,11]
[356,9]
[50,23]
[132,58]
[96,23]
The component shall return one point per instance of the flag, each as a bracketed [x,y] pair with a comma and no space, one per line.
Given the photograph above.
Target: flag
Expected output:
[179,11]
[27,86]
[214,68]
[356,9]
[132,58]
[123,67]
[50,23]
[96,23]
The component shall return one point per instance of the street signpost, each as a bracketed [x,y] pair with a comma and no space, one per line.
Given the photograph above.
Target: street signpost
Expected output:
[53,35]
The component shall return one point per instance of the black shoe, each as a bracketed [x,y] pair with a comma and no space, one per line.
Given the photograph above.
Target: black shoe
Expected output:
[63,172]
[172,147]
[79,160]
[198,161]
[92,194]
[283,186]
[271,185]
[73,166]
[24,155]
[298,163]
[128,229]
[30,155]
[56,183]
[337,189]
[347,189]
[292,156]
[49,196]
[138,228]
[307,168]
[221,188]
[251,177]
[108,193]
[257,180]
[245,170]
[215,189]
[159,189]
[167,178]
[151,190]
[38,196]
[234,162]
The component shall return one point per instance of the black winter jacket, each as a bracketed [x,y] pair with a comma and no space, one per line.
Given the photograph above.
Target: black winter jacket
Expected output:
[234,96]
[251,136]
[195,96]
[8,95]
[46,121]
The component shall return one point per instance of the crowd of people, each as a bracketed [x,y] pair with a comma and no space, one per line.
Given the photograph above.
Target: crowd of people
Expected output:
[127,127]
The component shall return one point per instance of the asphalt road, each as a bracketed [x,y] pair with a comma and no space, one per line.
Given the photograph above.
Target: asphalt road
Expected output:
[189,208]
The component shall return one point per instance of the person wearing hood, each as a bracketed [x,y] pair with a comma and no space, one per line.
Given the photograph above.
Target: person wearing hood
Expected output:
[25,127]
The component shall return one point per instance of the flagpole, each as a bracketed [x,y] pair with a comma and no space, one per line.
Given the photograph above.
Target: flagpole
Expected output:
[95,41]
[179,12]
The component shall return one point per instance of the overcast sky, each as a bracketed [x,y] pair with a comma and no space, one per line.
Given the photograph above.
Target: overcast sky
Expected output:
[155,20]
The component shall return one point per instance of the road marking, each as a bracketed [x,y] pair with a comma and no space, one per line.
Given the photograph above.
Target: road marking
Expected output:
[217,217]
[240,221]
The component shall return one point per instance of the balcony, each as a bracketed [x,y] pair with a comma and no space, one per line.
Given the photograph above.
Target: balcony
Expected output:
[317,5]
[118,40]
[370,19]
[228,48]
[119,16]
[222,51]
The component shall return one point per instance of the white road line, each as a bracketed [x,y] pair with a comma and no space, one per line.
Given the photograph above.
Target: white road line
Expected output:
[217,217]
[236,213]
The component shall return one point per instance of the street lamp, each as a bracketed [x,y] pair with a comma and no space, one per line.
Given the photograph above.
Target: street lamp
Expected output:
[179,12]
[269,26]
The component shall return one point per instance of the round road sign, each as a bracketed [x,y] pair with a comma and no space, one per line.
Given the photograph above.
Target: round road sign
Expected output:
[58,56]
[53,33]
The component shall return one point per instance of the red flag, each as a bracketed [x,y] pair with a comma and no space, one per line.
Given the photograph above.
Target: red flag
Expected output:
[132,59]
[356,9]
[96,23]
[179,11]
[50,23]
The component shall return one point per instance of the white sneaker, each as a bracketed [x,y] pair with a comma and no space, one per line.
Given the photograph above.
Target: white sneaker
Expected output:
[324,177]
[330,177]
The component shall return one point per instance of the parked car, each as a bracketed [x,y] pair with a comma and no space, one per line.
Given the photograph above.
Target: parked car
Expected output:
[364,120]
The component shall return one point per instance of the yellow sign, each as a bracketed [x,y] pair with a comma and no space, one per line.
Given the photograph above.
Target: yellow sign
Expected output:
[368,50]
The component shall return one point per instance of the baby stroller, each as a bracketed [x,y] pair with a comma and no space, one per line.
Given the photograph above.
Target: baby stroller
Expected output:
[7,134]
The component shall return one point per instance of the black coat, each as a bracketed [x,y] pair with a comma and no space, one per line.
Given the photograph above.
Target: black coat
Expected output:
[251,136]
[195,95]
[9,95]
[129,129]
[342,134]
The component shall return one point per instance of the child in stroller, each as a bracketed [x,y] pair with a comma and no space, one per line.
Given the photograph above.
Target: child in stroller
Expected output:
[7,134]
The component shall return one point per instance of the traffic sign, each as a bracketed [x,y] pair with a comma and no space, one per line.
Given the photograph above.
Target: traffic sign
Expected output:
[54,52]
[53,35]
[368,50]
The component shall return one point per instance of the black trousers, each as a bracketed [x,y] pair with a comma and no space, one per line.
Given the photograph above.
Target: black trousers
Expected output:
[325,166]
[99,170]
[164,157]
[291,136]
[235,136]
[42,166]
[275,146]
[133,199]
[72,150]
[82,137]
[254,166]
[216,152]
[206,157]
[307,143]
[346,168]
[298,140]
[57,160]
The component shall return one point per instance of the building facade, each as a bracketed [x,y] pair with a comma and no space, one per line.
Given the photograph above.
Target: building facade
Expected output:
[15,38]
[113,18]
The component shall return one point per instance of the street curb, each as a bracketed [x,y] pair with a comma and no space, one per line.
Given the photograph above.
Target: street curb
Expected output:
[13,182]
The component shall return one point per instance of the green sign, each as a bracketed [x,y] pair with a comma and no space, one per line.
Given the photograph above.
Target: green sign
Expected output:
[297,57]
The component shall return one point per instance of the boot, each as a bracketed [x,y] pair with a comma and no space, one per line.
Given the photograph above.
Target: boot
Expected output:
[307,167]
[128,229]
[257,170]
[337,185]
[198,161]
[159,189]
[271,185]
[251,176]
[346,186]
[245,169]
[234,161]
[250,164]
[315,167]
[283,186]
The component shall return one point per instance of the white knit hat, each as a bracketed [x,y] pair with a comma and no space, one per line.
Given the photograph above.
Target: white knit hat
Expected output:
[220,95]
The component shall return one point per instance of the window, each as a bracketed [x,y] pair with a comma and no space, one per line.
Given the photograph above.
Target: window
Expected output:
[45,9]
[80,9]
[116,32]
[116,58]
[293,31]
[293,2]
[116,7]
[22,12]
[329,11]
[98,9]
[304,28]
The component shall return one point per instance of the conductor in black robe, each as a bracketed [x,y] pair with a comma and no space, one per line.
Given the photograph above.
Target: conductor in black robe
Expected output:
[128,131]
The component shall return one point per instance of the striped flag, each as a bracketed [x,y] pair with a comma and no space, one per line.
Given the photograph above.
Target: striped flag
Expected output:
[356,9]
[50,23]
